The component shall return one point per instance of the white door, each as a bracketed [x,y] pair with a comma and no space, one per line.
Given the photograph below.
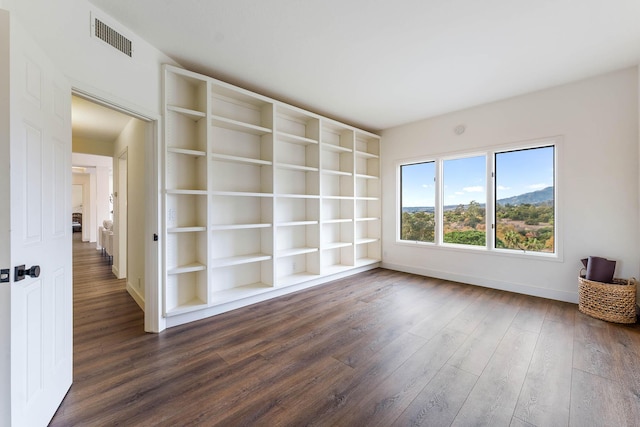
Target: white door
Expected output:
[40,205]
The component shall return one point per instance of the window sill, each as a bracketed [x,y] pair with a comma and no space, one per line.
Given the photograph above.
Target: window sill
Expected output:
[482,250]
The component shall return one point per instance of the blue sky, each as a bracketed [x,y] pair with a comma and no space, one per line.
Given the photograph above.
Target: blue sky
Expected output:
[517,172]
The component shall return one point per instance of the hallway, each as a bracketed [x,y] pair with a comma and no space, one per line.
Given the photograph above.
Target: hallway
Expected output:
[104,317]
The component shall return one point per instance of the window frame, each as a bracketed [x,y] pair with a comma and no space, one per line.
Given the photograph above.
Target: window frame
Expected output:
[440,185]
[435,180]
[490,203]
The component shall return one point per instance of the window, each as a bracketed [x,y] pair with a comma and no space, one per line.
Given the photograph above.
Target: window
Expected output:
[464,190]
[418,200]
[525,205]
[454,201]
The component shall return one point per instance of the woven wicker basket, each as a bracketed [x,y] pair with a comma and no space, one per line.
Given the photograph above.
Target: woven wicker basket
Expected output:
[611,302]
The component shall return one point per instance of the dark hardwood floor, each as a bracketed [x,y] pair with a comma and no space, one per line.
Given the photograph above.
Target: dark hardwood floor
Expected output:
[381,348]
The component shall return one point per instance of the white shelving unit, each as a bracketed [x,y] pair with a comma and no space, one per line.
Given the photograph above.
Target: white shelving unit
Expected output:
[259,196]
[338,200]
[367,192]
[297,200]
[186,191]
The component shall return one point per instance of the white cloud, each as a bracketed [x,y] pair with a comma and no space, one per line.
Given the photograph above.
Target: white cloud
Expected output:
[459,193]
[502,187]
[475,189]
[538,186]
[427,186]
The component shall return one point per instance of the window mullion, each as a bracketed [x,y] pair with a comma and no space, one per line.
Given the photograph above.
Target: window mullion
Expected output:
[438,207]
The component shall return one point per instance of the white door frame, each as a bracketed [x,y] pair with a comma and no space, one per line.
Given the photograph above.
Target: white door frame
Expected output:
[153,319]
[121,215]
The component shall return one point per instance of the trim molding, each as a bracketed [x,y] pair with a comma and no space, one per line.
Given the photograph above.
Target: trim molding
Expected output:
[139,299]
[571,297]
[271,293]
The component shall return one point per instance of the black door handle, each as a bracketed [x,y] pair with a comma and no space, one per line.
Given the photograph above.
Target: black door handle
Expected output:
[21,272]
[33,271]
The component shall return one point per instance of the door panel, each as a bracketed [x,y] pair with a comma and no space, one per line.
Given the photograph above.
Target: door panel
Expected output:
[32,179]
[40,204]
[59,222]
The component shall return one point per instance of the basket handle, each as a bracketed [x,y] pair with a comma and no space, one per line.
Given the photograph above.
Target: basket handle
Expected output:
[583,272]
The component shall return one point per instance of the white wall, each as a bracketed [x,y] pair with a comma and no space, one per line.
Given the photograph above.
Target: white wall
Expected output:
[99,166]
[90,146]
[62,29]
[102,194]
[133,139]
[76,198]
[598,182]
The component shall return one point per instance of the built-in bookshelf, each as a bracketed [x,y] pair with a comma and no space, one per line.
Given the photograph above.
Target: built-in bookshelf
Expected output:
[186,191]
[259,196]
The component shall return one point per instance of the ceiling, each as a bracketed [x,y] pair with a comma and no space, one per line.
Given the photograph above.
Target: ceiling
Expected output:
[95,122]
[381,63]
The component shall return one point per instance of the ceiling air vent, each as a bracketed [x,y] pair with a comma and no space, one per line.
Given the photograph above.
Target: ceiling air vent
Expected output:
[111,36]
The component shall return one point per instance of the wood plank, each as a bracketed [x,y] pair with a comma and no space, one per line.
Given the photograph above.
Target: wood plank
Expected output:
[532,314]
[469,318]
[356,386]
[440,400]
[494,396]
[545,397]
[625,348]
[387,400]
[395,318]
[591,348]
[474,354]
[563,312]
[437,319]
[597,401]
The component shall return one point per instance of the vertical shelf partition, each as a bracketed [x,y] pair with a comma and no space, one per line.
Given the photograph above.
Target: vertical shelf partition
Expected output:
[368,207]
[337,198]
[242,193]
[185,192]
[297,186]
[259,195]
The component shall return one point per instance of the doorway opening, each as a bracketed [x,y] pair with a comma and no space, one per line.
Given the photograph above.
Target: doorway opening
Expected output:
[114,210]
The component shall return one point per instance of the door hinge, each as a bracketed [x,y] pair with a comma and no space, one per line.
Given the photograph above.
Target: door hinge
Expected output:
[155,237]
[4,275]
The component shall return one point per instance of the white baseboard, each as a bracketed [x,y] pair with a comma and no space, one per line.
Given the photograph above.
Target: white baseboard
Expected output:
[519,288]
[183,318]
[139,299]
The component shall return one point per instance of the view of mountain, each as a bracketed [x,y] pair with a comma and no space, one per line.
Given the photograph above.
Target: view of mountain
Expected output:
[544,196]
[413,209]
[534,198]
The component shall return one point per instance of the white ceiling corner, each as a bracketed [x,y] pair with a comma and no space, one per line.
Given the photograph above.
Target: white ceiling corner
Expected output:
[379,64]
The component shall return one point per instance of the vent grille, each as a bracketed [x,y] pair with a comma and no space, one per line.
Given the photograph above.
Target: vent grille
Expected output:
[112,37]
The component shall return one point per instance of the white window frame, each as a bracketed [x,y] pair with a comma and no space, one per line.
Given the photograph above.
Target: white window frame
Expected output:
[490,215]
[399,202]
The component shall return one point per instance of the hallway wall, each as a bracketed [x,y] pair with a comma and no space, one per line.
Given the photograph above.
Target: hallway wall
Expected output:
[133,139]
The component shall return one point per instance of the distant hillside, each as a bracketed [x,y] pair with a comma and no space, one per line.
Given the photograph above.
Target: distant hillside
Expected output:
[544,196]
[414,209]
[534,198]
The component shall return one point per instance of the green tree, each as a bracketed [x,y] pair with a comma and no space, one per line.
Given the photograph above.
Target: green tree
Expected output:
[467,237]
[418,226]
